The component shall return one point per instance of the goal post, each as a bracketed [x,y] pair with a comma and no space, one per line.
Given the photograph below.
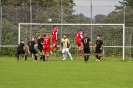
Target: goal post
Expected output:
[78,26]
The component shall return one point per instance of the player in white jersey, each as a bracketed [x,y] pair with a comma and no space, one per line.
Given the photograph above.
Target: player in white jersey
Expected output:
[65,46]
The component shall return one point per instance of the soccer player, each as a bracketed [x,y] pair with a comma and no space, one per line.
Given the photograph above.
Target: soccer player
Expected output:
[78,41]
[65,46]
[40,47]
[98,46]
[86,42]
[46,46]
[31,48]
[21,50]
[54,35]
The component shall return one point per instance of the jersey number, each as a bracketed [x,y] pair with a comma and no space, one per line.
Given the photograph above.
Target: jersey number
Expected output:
[85,41]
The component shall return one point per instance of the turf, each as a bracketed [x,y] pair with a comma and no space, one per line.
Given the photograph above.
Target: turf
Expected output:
[56,73]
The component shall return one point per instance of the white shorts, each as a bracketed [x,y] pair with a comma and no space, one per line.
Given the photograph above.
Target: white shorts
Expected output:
[65,50]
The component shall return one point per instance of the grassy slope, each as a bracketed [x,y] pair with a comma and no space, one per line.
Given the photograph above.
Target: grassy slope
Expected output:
[65,74]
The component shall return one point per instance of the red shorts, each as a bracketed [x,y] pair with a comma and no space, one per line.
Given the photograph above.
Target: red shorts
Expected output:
[47,48]
[78,41]
[54,40]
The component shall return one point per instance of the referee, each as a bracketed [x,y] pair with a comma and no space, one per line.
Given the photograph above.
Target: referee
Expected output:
[86,42]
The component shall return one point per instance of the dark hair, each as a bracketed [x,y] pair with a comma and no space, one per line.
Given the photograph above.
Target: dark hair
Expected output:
[64,34]
[22,40]
[98,35]
[44,35]
[81,29]
[54,26]
[32,37]
[38,35]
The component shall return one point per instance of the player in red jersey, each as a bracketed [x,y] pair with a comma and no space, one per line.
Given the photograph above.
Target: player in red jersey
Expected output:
[78,41]
[54,35]
[46,46]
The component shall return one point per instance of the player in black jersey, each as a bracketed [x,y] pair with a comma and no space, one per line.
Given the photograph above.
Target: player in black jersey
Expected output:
[21,50]
[86,42]
[31,48]
[40,47]
[98,46]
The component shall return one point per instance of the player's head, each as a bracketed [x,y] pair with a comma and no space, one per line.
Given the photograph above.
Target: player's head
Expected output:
[32,39]
[85,35]
[44,35]
[39,36]
[81,30]
[64,36]
[98,37]
[22,41]
[54,26]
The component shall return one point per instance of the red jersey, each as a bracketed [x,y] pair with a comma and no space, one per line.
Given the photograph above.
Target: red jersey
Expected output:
[54,33]
[79,35]
[47,41]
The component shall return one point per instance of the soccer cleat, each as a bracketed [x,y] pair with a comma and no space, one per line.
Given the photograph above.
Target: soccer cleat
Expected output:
[71,59]
[17,60]
[36,61]
[63,59]
[46,61]
[96,59]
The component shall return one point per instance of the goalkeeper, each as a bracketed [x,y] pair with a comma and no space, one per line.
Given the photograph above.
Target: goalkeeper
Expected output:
[65,44]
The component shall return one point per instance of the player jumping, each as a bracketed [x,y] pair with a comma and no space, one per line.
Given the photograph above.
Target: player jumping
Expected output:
[21,50]
[78,41]
[86,42]
[54,35]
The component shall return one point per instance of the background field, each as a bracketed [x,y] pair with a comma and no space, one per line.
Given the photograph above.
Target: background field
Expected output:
[109,73]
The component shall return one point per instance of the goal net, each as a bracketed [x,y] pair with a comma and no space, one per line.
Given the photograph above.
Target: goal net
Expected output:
[112,35]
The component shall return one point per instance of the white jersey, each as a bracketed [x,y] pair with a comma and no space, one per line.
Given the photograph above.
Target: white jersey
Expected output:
[65,43]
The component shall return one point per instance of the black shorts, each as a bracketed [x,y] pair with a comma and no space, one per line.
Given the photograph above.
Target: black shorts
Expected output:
[20,52]
[86,50]
[40,49]
[98,50]
[33,51]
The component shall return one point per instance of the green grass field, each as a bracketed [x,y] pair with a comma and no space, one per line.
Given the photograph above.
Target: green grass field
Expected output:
[108,73]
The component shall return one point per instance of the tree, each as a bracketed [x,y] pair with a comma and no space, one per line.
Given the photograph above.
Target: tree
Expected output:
[100,18]
[117,16]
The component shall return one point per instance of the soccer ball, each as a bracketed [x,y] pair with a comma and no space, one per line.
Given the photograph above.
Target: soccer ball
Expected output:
[49,20]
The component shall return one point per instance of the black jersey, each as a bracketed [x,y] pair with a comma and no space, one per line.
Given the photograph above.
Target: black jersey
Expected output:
[86,42]
[31,45]
[20,46]
[39,41]
[99,43]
